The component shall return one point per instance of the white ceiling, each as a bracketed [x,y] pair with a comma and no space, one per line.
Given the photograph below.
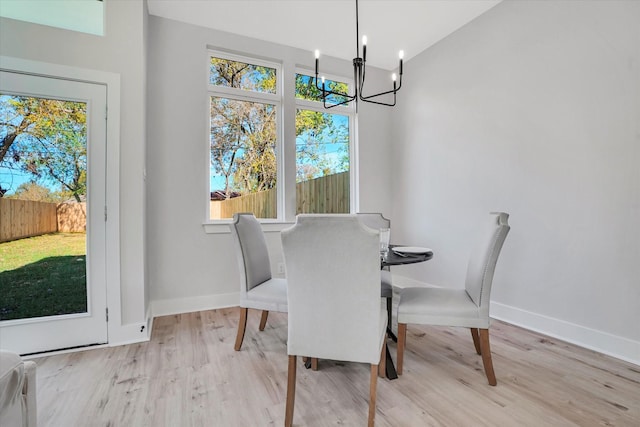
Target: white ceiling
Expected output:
[329,25]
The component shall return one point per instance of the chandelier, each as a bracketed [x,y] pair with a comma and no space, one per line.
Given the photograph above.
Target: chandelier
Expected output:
[359,72]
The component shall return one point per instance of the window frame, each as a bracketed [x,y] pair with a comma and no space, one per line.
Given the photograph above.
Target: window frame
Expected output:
[237,94]
[286,105]
[348,110]
[317,105]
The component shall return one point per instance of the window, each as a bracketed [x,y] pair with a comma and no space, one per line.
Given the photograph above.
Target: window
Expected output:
[245,104]
[246,143]
[86,16]
[323,149]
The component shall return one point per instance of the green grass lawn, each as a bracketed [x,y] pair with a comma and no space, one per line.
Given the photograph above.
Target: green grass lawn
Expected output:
[43,276]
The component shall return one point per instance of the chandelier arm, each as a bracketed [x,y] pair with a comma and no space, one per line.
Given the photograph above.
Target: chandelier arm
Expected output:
[326,92]
[381,103]
[343,95]
[394,91]
[364,98]
[328,106]
[346,101]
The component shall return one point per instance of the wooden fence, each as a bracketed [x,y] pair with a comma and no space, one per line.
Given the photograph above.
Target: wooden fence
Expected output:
[328,194]
[26,218]
[263,205]
[72,217]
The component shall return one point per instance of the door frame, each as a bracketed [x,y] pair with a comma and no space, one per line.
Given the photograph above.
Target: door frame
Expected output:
[116,331]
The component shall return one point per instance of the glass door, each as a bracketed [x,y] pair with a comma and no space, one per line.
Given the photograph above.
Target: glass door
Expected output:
[52,213]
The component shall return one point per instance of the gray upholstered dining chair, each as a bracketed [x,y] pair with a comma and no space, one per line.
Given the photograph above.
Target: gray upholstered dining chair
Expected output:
[258,289]
[335,312]
[467,307]
[377,221]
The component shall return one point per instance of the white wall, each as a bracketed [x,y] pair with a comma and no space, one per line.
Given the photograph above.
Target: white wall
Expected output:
[532,109]
[189,269]
[120,51]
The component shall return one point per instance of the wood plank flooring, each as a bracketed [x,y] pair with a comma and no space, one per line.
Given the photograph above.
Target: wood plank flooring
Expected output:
[189,375]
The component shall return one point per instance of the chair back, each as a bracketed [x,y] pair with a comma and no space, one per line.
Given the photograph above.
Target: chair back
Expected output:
[251,251]
[18,406]
[484,256]
[374,220]
[333,275]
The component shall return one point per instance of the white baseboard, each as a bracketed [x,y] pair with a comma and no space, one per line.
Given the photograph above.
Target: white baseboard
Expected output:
[602,342]
[166,307]
[129,333]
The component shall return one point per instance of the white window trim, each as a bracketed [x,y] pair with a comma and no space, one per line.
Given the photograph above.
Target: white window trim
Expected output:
[221,225]
[317,105]
[118,332]
[348,110]
[242,93]
[283,220]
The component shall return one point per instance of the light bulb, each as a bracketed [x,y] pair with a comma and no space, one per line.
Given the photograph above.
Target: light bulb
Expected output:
[322,79]
[401,54]
[364,40]
[317,54]
[393,77]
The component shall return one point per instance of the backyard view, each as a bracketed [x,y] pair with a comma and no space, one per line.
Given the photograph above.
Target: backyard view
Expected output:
[244,141]
[43,276]
[43,186]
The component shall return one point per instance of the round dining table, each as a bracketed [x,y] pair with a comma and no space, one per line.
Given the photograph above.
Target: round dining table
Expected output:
[399,258]
[394,258]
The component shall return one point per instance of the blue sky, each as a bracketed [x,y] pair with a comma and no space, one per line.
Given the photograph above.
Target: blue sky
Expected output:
[330,150]
[11,179]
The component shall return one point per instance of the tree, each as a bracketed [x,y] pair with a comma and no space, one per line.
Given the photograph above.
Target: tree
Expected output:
[61,157]
[315,130]
[243,133]
[46,138]
[256,169]
[34,191]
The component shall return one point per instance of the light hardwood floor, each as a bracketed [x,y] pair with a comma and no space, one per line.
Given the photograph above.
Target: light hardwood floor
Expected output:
[189,375]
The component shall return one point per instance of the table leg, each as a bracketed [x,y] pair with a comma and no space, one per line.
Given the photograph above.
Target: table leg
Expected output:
[391,334]
[390,367]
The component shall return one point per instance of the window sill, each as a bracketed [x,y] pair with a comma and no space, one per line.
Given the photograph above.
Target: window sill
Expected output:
[223,227]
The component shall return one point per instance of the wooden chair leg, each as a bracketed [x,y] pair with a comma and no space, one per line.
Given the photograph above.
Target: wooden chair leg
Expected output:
[402,340]
[291,392]
[263,319]
[476,340]
[486,356]
[242,325]
[382,365]
[372,395]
